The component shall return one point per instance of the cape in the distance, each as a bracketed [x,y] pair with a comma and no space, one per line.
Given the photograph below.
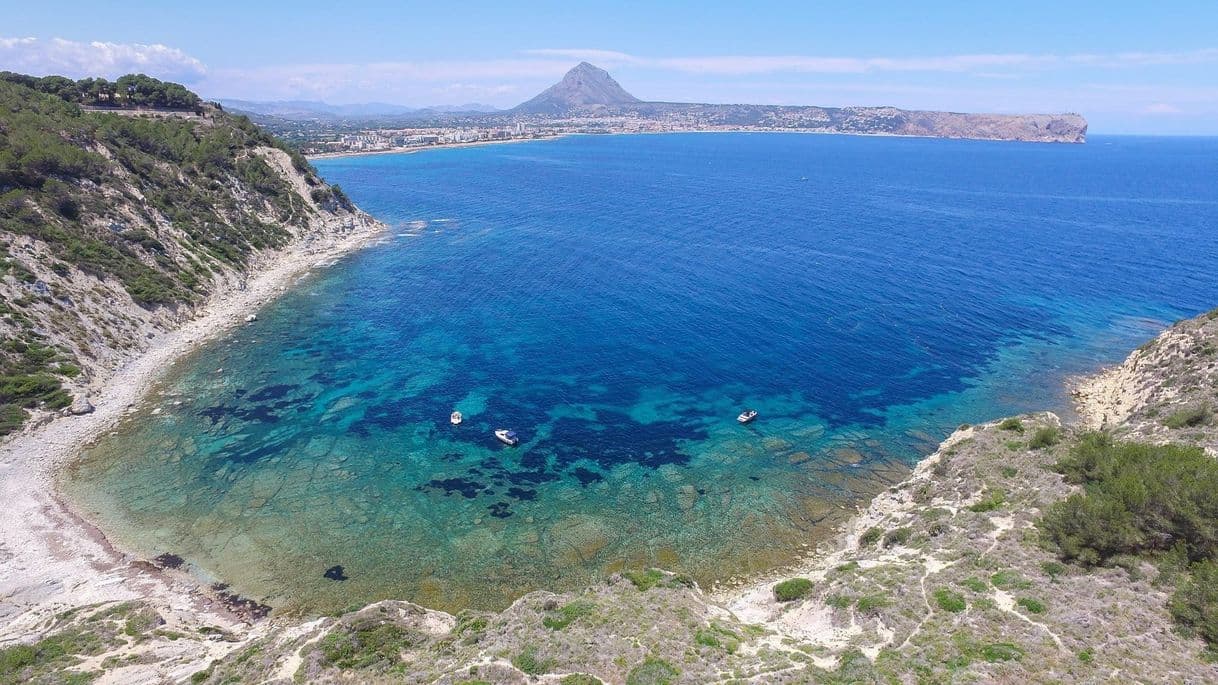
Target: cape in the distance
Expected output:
[587,99]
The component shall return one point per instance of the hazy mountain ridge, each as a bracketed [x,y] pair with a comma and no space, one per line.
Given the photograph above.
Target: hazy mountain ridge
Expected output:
[587,92]
[305,110]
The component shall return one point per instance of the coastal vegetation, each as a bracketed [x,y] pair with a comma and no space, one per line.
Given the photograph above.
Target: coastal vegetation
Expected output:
[159,207]
[132,90]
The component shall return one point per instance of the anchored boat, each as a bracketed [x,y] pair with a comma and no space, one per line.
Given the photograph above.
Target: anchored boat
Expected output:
[747,415]
[507,437]
[455,418]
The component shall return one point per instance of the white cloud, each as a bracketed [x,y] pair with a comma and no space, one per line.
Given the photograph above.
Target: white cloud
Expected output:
[76,59]
[1162,108]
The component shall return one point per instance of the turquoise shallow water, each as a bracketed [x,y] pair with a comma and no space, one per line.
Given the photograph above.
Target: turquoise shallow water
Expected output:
[617,301]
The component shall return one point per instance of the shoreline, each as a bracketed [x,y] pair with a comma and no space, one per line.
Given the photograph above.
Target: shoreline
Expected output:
[52,557]
[556,136]
[424,148]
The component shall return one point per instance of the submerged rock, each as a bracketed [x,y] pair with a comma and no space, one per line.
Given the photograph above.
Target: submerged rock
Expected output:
[335,573]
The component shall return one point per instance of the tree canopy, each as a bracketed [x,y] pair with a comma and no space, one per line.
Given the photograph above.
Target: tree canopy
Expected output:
[132,90]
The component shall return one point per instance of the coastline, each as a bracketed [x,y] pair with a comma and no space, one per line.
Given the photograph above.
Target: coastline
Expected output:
[480,143]
[52,558]
[424,148]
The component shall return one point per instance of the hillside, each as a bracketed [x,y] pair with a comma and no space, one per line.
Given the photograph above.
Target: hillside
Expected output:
[587,94]
[123,207]
[582,87]
[1022,550]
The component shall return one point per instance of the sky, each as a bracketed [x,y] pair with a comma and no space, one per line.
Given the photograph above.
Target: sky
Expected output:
[1129,66]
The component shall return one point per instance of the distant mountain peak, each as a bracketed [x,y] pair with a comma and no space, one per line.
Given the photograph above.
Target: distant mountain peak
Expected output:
[583,86]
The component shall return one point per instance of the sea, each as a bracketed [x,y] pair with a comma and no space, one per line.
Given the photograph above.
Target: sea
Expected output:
[617,301]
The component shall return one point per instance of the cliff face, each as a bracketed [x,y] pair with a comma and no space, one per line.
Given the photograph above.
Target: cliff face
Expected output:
[116,225]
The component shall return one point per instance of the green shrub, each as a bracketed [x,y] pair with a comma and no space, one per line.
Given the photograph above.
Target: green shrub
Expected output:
[870,537]
[950,600]
[11,418]
[991,501]
[1053,569]
[528,662]
[898,536]
[975,584]
[568,614]
[1033,606]
[1195,601]
[1045,437]
[1189,417]
[870,604]
[1001,651]
[1011,424]
[366,643]
[1086,655]
[1008,580]
[1139,498]
[793,589]
[580,679]
[653,671]
[644,580]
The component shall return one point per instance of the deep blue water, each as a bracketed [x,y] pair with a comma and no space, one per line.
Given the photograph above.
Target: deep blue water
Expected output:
[617,300]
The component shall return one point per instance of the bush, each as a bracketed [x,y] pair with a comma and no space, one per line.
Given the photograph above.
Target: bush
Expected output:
[1009,580]
[568,614]
[1053,569]
[793,589]
[1001,651]
[975,584]
[950,600]
[898,536]
[870,604]
[528,662]
[652,671]
[870,537]
[1190,417]
[11,418]
[1195,602]
[580,679]
[1139,498]
[366,644]
[1011,424]
[990,502]
[644,580]
[1034,606]
[1045,437]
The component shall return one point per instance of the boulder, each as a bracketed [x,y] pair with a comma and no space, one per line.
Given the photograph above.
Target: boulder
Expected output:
[81,406]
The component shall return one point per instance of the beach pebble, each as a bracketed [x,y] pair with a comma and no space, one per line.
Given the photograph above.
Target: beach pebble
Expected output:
[251,318]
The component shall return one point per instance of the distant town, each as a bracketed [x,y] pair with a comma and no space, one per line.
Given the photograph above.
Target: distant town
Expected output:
[587,100]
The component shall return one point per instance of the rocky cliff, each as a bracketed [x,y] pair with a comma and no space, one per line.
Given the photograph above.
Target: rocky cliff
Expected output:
[116,224]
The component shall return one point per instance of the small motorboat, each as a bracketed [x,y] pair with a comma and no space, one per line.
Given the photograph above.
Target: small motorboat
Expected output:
[507,437]
[747,415]
[455,418]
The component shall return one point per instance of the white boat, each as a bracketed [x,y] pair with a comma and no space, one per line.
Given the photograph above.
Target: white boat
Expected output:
[455,418]
[747,415]
[507,437]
